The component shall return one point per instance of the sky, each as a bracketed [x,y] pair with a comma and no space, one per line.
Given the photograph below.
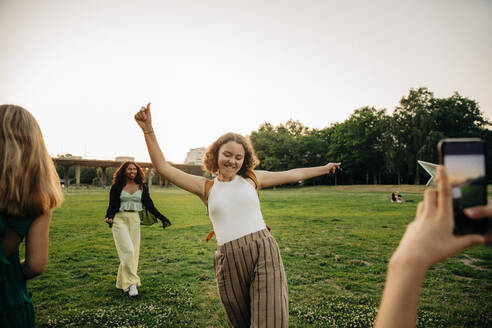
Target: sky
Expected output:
[83,68]
[464,167]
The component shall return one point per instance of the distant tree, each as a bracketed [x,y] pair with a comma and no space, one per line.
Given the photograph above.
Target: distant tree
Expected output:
[458,116]
[394,152]
[412,121]
[87,174]
[60,171]
[97,181]
[295,128]
[313,150]
[335,137]
[359,142]
[276,147]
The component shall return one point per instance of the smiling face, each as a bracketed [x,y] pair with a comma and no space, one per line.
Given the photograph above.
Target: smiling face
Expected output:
[131,172]
[236,145]
[230,160]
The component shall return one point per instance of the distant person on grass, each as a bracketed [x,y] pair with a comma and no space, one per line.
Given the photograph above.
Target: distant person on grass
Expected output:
[396,197]
[29,190]
[128,196]
[429,239]
[248,267]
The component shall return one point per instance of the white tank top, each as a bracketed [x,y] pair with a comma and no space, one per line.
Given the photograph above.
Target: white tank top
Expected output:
[234,209]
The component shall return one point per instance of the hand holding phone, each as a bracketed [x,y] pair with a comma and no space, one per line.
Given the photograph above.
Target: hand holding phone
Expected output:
[464,161]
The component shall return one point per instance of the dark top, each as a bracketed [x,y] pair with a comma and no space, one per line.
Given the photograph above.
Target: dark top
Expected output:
[13,287]
[148,204]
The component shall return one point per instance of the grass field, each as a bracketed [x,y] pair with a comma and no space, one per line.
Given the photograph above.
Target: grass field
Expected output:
[335,243]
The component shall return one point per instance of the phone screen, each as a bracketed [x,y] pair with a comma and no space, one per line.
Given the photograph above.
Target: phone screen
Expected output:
[465,164]
[467,177]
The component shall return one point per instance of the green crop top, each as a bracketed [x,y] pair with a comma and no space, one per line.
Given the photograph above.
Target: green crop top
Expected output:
[131,202]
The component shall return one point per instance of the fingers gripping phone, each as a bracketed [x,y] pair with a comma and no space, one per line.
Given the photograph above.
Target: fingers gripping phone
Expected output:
[464,161]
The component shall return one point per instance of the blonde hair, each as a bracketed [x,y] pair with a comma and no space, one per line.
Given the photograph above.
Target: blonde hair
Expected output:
[29,184]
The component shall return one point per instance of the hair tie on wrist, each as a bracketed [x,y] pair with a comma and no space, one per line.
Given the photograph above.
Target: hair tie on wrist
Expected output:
[148,132]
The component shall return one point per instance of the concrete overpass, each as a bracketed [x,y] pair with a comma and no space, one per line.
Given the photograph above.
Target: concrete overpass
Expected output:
[66,163]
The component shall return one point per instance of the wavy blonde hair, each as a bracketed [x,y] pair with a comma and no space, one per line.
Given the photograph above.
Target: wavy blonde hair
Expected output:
[29,184]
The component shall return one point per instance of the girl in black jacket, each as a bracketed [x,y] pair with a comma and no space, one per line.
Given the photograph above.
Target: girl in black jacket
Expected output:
[129,195]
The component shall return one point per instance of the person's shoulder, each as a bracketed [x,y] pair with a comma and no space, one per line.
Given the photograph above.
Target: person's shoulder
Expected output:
[116,186]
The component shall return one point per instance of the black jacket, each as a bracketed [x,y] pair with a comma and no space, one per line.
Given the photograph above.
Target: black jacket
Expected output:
[115,202]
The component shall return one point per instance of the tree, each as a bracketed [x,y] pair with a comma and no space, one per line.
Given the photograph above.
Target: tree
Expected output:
[359,142]
[277,147]
[87,175]
[412,118]
[458,116]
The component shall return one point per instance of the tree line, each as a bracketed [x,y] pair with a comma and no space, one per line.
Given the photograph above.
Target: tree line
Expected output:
[373,146]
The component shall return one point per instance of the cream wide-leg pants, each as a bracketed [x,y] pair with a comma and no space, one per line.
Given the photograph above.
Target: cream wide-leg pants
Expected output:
[126,234]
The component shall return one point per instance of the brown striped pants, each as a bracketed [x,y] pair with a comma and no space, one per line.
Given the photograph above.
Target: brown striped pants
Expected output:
[251,281]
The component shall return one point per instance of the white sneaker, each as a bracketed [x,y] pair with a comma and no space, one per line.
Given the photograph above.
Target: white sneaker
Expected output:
[133,291]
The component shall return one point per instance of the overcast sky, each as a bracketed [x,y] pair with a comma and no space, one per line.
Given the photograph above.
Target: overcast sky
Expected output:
[83,68]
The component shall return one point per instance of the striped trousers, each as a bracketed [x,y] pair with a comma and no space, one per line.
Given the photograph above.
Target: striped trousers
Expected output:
[251,281]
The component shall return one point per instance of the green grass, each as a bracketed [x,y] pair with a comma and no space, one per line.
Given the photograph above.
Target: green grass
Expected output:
[335,243]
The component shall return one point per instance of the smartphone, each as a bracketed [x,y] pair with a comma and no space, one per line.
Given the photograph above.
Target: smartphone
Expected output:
[464,161]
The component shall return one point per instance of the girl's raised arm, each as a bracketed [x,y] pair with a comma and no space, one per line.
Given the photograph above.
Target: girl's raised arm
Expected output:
[192,183]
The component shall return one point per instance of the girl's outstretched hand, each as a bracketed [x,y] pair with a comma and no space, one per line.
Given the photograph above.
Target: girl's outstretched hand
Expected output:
[144,119]
[333,167]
